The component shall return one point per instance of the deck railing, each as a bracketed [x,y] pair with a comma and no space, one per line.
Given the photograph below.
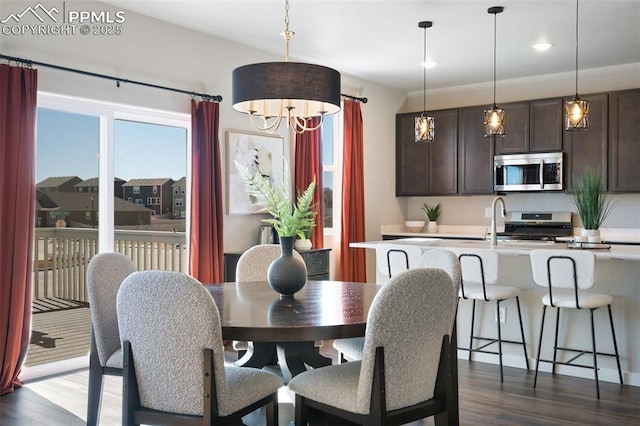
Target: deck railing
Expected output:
[61,256]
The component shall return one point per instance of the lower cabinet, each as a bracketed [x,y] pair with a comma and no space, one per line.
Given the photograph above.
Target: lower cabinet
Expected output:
[316,260]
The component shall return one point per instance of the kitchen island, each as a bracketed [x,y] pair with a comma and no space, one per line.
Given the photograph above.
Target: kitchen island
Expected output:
[617,273]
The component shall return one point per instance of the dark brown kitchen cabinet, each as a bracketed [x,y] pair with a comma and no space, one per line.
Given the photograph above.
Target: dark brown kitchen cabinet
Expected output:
[516,129]
[624,141]
[475,160]
[546,121]
[427,168]
[588,148]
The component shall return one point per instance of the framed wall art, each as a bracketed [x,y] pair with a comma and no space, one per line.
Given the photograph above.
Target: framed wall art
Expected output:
[259,153]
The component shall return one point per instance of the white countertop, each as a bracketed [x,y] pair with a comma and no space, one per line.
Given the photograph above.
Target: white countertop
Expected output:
[616,252]
[615,235]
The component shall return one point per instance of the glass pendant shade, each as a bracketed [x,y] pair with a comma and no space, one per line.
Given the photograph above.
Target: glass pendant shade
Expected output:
[577,114]
[425,128]
[494,121]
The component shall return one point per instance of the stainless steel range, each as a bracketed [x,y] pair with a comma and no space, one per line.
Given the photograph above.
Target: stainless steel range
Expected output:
[540,226]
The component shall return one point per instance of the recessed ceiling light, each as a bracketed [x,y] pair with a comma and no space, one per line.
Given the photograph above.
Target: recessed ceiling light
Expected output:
[542,46]
[429,64]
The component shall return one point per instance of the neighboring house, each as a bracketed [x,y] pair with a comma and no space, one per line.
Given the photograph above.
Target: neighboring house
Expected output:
[81,210]
[154,194]
[180,199]
[92,185]
[59,184]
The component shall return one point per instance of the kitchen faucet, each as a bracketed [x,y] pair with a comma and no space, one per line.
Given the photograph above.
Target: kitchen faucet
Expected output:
[494,240]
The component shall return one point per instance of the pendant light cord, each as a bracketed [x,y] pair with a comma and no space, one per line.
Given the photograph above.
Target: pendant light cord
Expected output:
[424,78]
[577,5]
[495,17]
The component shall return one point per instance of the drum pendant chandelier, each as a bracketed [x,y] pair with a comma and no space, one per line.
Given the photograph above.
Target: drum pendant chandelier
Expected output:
[577,110]
[424,123]
[494,117]
[297,92]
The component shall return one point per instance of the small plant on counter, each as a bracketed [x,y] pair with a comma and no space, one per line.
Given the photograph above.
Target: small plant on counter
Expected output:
[432,213]
[592,204]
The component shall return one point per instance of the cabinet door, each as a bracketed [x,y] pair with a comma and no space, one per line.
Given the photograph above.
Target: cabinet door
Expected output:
[411,158]
[546,122]
[443,154]
[516,129]
[476,153]
[624,141]
[588,148]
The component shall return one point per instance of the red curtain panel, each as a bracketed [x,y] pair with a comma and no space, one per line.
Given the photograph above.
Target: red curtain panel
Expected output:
[308,164]
[206,251]
[18,94]
[352,261]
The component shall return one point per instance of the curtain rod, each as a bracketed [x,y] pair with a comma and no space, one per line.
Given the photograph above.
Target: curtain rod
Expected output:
[118,80]
[355,98]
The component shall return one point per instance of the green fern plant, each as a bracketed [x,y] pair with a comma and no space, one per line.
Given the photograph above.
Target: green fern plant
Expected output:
[432,213]
[592,204]
[289,219]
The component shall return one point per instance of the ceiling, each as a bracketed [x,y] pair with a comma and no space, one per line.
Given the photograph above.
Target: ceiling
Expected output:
[380,41]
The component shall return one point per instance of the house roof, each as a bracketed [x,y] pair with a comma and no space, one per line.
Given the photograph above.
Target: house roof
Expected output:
[181,182]
[79,201]
[148,182]
[57,181]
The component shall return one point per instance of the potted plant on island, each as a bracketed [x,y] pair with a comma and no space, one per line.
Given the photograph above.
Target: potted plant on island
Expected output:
[592,204]
[432,213]
[290,219]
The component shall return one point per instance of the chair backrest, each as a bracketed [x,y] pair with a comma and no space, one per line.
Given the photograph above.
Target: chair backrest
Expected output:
[254,263]
[395,258]
[559,265]
[409,317]
[478,262]
[105,273]
[170,318]
[443,259]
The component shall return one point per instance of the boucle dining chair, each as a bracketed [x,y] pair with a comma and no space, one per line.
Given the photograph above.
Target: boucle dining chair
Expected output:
[404,374]
[174,370]
[566,274]
[253,266]
[480,283]
[351,348]
[105,273]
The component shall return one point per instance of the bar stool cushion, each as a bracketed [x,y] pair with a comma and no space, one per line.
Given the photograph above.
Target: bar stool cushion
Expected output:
[567,299]
[494,292]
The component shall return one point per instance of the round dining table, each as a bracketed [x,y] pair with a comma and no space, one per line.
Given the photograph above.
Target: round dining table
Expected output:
[283,330]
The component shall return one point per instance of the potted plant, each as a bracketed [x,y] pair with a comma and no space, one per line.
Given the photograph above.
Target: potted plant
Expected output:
[432,213]
[592,204]
[290,219]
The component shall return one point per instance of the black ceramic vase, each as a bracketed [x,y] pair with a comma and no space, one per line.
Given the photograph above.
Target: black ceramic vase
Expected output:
[286,274]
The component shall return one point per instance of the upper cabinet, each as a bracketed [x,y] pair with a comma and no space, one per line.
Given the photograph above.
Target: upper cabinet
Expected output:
[532,126]
[427,168]
[475,162]
[624,141]
[587,148]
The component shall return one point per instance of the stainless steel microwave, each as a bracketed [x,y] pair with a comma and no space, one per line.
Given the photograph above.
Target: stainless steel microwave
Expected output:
[528,172]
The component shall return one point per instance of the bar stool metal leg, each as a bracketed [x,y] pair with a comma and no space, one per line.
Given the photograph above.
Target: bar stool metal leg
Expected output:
[595,354]
[473,318]
[535,377]
[615,344]
[524,345]
[555,342]
[499,339]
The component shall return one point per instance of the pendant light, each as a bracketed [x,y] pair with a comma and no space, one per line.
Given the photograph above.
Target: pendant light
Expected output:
[424,125]
[576,110]
[291,90]
[494,117]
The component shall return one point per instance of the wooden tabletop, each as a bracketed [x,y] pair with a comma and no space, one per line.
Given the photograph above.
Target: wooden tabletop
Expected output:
[321,310]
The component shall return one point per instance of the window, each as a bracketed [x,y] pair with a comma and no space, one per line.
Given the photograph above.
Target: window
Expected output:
[136,189]
[139,201]
[153,201]
[331,171]
[130,199]
[176,190]
[179,202]
[155,190]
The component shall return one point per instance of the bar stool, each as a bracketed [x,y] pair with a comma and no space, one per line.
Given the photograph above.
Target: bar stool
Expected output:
[479,278]
[565,274]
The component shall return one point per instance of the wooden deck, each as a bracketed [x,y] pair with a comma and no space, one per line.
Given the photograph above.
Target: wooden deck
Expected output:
[60,330]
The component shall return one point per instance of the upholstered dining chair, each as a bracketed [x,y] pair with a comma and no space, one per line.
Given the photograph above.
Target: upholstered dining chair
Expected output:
[351,348]
[174,370]
[105,273]
[479,283]
[404,374]
[253,266]
[566,274]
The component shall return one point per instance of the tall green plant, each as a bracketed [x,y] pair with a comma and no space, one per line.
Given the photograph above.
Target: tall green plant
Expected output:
[592,204]
[289,219]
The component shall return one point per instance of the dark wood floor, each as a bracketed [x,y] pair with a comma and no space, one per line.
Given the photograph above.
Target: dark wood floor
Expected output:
[483,400]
